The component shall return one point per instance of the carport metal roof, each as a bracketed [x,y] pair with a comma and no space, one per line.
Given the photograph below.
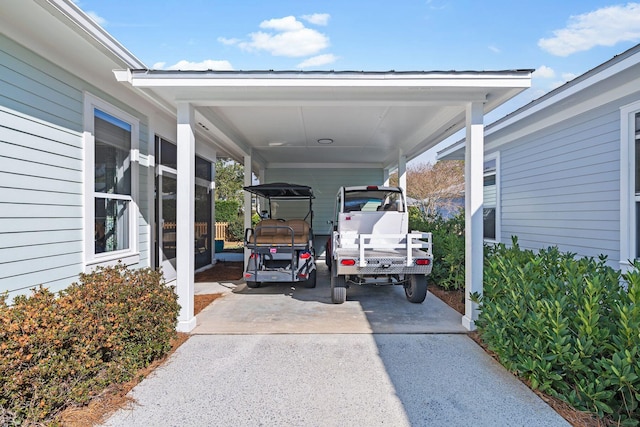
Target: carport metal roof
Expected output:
[334,117]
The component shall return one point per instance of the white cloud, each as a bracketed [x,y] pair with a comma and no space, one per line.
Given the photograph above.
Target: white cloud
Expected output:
[494,49]
[317,18]
[602,27]
[317,61]
[544,72]
[288,23]
[289,37]
[568,76]
[208,64]
[227,41]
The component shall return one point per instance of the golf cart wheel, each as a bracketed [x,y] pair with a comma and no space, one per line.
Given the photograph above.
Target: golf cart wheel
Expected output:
[338,295]
[338,290]
[252,284]
[416,289]
[311,280]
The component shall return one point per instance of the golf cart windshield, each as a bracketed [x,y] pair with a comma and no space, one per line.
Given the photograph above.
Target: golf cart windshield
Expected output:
[283,201]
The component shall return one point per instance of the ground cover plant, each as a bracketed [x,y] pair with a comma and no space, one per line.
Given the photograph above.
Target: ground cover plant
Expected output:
[569,326]
[58,351]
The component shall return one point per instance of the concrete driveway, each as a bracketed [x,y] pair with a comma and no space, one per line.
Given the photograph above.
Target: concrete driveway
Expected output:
[283,356]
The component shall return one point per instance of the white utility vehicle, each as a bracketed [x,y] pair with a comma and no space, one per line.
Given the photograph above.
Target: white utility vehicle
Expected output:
[281,243]
[370,243]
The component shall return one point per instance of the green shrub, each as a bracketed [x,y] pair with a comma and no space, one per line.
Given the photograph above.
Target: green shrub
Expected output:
[61,351]
[236,230]
[567,325]
[227,210]
[448,247]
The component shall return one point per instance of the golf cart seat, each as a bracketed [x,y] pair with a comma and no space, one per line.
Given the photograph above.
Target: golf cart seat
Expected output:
[276,232]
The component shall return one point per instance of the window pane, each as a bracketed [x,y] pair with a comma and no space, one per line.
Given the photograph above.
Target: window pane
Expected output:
[168,194]
[371,201]
[637,230]
[111,225]
[203,169]
[168,154]
[112,148]
[637,166]
[112,170]
[202,231]
[489,219]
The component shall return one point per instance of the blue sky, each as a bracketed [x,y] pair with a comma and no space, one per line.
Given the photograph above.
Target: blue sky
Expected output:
[560,39]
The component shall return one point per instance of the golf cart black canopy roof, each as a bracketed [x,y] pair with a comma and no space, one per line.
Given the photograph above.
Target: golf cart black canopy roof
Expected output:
[281,190]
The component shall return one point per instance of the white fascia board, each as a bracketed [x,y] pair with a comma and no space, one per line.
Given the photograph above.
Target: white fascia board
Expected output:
[142,78]
[78,17]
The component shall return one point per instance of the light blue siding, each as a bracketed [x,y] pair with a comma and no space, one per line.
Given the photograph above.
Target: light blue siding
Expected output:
[561,186]
[325,184]
[42,185]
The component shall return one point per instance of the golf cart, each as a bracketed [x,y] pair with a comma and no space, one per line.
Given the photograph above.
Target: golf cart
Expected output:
[371,243]
[281,243]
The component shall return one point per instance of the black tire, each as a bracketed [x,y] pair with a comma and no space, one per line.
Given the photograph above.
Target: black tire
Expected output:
[311,280]
[416,289]
[338,295]
[327,260]
[252,284]
[338,289]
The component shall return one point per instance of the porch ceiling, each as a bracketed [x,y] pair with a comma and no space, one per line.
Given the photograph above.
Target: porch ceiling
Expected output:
[279,117]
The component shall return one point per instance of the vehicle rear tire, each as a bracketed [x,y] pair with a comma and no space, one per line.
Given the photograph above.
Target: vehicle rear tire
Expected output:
[416,289]
[252,284]
[311,281]
[338,289]
[338,295]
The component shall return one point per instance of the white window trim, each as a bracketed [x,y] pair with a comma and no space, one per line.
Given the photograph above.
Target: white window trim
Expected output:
[627,185]
[496,156]
[131,255]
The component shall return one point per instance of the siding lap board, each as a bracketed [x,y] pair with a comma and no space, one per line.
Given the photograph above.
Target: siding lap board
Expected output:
[561,186]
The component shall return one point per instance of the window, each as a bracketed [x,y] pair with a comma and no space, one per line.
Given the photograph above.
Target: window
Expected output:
[629,184]
[166,193]
[490,199]
[637,179]
[112,182]
[111,172]
[372,201]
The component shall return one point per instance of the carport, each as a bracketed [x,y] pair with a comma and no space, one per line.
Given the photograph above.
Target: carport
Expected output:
[329,121]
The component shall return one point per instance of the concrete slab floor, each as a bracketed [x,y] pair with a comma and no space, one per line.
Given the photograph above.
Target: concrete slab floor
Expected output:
[290,308]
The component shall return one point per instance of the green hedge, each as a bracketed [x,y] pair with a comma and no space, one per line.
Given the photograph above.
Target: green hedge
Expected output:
[448,247]
[569,326]
[227,210]
[57,351]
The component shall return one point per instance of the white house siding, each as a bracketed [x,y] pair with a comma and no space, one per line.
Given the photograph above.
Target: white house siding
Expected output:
[325,183]
[41,173]
[561,186]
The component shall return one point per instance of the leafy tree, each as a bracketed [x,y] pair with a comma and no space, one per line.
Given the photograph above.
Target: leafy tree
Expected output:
[434,187]
[229,180]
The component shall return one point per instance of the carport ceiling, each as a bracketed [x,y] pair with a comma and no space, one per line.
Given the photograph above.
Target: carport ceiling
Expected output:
[368,117]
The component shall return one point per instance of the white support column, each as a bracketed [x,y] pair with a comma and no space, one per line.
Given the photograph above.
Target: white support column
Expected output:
[402,171]
[247,202]
[213,210]
[473,162]
[185,214]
